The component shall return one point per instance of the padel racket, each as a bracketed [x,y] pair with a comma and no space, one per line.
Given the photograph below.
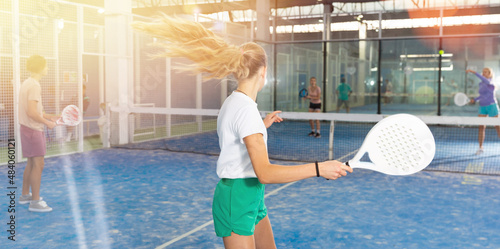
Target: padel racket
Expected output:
[400,144]
[303,93]
[461,99]
[70,116]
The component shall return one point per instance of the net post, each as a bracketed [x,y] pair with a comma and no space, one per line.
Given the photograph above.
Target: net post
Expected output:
[330,140]
[107,126]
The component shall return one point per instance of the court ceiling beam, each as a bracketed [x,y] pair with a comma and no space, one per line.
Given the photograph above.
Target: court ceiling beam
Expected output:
[393,15]
[146,9]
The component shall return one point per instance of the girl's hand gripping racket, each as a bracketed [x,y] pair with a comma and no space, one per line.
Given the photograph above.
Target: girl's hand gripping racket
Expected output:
[70,116]
[303,93]
[461,99]
[400,144]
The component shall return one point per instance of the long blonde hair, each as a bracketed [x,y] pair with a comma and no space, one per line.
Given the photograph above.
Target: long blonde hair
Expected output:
[210,53]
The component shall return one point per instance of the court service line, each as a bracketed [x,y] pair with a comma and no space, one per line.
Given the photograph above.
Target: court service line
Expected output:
[185,235]
[211,222]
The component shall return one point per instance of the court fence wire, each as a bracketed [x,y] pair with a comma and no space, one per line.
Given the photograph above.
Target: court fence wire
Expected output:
[195,131]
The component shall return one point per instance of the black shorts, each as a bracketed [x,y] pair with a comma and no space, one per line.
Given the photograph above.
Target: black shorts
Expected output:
[314,106]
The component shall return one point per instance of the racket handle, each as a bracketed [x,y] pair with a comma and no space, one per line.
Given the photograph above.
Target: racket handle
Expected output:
[346,163]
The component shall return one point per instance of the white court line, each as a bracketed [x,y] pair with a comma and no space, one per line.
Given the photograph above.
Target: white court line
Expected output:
[185,235]
[211,222]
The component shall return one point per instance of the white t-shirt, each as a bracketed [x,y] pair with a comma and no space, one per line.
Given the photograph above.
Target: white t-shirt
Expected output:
[238,118]
[30,90]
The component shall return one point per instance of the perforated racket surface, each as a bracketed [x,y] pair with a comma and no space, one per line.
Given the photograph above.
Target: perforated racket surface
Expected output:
[70,116]
[303,92]
[461,99]
[400,144]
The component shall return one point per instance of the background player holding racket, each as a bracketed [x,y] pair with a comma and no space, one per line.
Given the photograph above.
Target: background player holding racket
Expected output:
[239,213]
[487,102]
[32,120]
[314,95]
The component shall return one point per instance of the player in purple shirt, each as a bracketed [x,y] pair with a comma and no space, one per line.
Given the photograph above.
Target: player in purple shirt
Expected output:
[487,102]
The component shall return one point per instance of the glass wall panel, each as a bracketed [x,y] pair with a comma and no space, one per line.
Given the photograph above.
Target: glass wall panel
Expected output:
[413,78]
[355,64]
[265,98]
[474,53]
[296,64]
[409,76]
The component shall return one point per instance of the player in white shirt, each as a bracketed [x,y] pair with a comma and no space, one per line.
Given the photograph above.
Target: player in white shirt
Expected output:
[240,215]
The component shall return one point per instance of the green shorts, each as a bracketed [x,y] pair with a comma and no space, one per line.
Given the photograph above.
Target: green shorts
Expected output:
[238,206]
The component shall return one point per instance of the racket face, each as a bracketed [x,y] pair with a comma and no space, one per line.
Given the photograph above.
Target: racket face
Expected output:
[400,144]
[71,115]
[303,92]
[461,99]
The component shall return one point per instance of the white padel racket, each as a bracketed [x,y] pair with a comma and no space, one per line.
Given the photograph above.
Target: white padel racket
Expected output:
[461,99]
[70,116]
[400,144]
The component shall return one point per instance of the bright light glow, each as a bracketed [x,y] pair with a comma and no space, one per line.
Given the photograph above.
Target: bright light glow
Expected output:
[238,16]
[75,203]
[450,68]
[100,10]
[424,55]
[299,28]
[94,181]
[397,24]
[345,26]
[60,24]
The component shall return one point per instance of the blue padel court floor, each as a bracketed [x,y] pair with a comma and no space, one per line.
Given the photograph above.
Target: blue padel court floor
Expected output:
[119,198]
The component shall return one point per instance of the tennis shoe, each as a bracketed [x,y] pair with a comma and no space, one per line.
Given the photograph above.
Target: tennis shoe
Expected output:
[479,152]
[39,206]
[25,199]
[317,135]
[312,134]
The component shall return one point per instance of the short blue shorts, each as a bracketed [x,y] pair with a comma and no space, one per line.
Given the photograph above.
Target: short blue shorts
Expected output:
[489,110]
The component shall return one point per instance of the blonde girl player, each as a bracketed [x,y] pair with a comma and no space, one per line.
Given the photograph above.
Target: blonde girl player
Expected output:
[32,120]
[314,95]
[487,102]
[239,213]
